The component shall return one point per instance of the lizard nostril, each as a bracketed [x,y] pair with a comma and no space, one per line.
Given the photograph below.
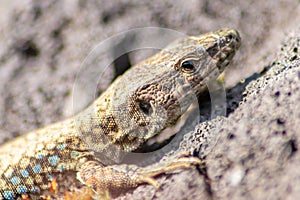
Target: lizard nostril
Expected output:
[146,108]
[230,37]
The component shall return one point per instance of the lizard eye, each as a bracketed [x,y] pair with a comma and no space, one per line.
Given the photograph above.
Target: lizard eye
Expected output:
[187,66]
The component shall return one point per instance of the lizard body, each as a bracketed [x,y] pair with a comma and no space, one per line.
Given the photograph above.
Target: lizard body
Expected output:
[138,105]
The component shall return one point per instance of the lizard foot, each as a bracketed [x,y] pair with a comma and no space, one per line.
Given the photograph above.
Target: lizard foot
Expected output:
[180,163]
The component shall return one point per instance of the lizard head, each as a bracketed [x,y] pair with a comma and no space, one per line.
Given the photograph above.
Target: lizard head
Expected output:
[154,94]
[221,45]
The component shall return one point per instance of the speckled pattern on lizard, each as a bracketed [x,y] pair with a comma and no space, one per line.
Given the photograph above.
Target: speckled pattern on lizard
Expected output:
[79,152]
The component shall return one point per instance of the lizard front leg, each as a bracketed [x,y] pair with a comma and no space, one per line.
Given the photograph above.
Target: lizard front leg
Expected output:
[102,179]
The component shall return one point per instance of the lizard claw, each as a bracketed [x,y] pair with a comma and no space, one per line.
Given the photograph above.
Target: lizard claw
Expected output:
[149,180]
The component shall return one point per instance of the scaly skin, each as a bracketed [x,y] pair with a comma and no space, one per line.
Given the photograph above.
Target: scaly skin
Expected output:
[140,104]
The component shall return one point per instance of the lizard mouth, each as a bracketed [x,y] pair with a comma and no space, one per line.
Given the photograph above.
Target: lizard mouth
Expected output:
[225,56]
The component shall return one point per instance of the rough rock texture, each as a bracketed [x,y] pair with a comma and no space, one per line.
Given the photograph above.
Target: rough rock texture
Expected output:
[251,154]
[256,155]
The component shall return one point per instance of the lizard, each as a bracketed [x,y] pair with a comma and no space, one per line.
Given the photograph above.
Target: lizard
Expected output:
[138,105]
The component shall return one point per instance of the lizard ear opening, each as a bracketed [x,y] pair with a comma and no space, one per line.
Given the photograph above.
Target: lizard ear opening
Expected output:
[145,107]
